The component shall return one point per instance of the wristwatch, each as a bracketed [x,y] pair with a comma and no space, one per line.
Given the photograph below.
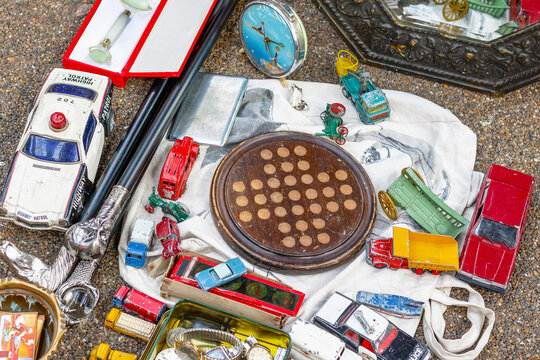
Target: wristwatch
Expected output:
[256,351]
[171,354]
[186,336]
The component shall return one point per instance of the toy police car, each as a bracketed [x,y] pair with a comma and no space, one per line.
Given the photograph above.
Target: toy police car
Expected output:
[57,157]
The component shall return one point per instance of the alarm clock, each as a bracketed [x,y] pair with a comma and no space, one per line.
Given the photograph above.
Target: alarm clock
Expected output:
[273,37]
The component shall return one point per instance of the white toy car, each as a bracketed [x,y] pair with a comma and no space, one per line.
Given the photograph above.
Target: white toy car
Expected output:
[55,165]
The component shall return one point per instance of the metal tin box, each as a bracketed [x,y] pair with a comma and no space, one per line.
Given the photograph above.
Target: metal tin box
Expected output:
[268,336]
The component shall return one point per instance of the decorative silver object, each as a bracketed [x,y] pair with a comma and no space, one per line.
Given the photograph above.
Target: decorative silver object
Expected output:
[36,271]
[88,241]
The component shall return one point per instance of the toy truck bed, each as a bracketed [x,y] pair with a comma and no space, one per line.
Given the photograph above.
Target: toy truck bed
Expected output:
[426,251]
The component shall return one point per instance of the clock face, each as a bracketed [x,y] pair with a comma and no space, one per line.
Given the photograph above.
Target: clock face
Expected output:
[268,39]
[259,352]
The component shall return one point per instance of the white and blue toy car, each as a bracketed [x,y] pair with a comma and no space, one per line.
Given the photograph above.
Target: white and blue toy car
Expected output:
[139,242]
[54,168]
[221,274]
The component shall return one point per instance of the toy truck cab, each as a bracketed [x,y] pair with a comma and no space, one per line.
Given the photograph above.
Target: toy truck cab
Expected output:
[138,303]
[177,167]
[139,242]
[370,102]
[103,352]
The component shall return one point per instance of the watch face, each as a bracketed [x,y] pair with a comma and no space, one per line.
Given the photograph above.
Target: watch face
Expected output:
[274,43]
[259,352]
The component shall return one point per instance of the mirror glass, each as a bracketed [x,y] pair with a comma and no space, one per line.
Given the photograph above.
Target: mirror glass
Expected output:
[483,20]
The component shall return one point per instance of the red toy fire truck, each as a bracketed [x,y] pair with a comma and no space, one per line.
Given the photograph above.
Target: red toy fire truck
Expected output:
[176,169]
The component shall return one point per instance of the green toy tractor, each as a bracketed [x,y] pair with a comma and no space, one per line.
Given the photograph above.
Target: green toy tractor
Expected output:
[170,208]
[332,119]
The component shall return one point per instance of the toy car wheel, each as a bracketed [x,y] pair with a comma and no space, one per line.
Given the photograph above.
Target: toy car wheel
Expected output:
[416,172]
[109,124]
[345,93]
[387,205]
[323,116]
[185,209]
[417,271]
[380,265]
[342,130]
[149,208]
[435,272]
[337,110]
[340,141]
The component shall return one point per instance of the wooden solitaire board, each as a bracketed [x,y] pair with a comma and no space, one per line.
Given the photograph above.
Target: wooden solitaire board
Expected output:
[293,201]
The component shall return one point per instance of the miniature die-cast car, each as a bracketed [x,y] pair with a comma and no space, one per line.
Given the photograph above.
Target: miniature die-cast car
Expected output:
[221,274]
[103,352]
[370,102]
[138,303]
[362,328]
[332,120]
[139,242]
[179,211]
[390,304]
[177,167]
[169,236]
[414,250]
[491,245]
[55,165]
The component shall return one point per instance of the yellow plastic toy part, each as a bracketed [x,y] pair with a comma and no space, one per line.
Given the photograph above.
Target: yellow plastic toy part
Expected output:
[103,352]
[426,251]
[345,62]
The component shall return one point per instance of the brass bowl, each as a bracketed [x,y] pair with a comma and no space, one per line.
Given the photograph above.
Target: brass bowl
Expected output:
[20,296]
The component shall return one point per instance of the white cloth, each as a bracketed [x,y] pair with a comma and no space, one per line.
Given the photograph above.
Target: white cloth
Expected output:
[418,133]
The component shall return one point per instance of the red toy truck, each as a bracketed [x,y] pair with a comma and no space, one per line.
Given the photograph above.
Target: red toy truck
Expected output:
[176,169]
[169,236]
[490,248]
[137,303]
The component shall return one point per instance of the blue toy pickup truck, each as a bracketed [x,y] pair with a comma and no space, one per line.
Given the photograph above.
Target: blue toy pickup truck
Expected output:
[221,274]
[139,242]
[370,102]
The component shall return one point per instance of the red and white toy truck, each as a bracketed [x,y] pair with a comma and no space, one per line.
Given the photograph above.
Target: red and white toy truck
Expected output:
[176,169]
[138,303]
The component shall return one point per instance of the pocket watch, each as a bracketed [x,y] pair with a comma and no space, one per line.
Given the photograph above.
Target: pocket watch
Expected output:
[273,37]
[256,351]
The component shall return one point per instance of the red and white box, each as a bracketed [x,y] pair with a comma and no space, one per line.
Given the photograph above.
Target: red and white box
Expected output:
[154,43]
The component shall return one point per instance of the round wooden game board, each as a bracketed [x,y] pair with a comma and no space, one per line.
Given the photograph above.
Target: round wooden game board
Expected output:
[293,201]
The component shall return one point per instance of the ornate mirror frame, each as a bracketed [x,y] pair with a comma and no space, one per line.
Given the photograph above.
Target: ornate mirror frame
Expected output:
[372,32]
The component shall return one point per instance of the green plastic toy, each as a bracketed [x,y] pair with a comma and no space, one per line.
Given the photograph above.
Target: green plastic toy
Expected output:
[411,194]
[332,119]
[175,209]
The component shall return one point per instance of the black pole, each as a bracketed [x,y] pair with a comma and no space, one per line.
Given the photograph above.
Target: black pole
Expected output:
[126,148]
[146,149]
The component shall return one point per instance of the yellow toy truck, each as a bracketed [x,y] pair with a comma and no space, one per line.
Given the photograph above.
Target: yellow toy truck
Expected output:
[129,324]
[103,352]
[415,251]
